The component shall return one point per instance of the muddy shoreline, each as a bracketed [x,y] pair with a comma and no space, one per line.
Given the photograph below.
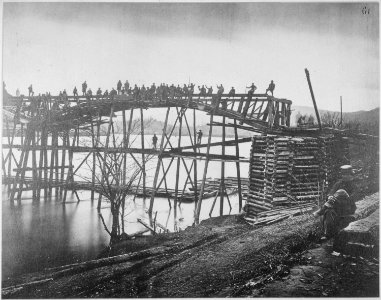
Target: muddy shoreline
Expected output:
[221,257]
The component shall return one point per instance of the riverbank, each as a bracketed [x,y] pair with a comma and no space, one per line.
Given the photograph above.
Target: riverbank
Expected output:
[222,257]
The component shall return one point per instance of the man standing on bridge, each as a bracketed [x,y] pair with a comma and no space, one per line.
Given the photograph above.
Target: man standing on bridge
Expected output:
[271,88]
[119,87]
[172,92]
[210,91]
[225,101]
[126,86]
[220,91]
[99,93]
[65,98]
[154,141]
[89,95]
[30,88]
[231,92]
[202,91]
[191,89]
[185,90]
[75,92]
[135,92]
[84,88]
[252,90]
[199,137]
[112,93]
[143,93]
[250,94]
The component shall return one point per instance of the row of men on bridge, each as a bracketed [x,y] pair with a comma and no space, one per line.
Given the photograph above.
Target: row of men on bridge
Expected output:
[162,92]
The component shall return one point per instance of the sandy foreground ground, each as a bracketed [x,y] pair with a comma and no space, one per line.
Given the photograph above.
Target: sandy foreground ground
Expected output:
[222,257]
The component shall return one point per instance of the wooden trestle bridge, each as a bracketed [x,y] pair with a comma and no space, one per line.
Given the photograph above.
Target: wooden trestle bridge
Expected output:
[54,124]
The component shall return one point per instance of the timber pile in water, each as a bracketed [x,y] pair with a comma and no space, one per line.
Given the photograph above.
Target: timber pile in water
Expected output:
[211,189]
[290,174]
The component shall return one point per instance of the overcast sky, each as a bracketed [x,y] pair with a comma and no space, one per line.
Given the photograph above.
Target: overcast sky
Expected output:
[55,46]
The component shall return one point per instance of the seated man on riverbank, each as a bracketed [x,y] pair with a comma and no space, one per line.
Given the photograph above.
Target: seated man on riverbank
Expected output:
[337,213]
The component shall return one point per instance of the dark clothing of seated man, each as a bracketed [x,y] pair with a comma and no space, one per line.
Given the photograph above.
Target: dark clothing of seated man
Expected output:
[337,212]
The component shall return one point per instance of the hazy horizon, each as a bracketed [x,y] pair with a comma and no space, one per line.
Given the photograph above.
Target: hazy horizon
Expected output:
[57,46]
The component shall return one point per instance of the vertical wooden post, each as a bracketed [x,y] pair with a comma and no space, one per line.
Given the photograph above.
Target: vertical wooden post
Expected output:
[34,166]
[129,127]
[23,158]
[10,142]
[165,184]
[341,111]
[288,115]
[22,133]
[46,136]
[198,208]
[143,156]
[56,157]
[238,166]
[106,146]
[52,153]
[189,178]
[70,176]
[283,114]
[63,159]
[78,136]
[96,145]
[124,146]
[195,159]
[158,164]
[222,182]
[313,97]
[93,171]
[178,166]
[276,117]
[270,108]
[4,169]
[11,154]
[28,140]
[41,161]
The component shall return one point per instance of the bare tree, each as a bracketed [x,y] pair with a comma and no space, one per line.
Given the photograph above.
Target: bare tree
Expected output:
[331,119]
[115,179]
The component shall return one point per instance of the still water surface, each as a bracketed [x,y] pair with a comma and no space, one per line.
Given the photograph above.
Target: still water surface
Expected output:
[41,234]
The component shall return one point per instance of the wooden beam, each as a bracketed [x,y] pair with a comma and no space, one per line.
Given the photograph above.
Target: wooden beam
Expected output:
[238,169]
[143,169]
[226,143]
[198,207]
[158,164]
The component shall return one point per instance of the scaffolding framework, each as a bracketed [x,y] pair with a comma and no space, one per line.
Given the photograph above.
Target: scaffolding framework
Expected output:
[50,129]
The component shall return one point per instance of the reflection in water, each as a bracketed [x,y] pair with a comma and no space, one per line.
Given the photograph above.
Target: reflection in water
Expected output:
[38,235]
[41,234]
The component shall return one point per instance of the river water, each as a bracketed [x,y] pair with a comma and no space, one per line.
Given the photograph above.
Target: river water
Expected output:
[41,234]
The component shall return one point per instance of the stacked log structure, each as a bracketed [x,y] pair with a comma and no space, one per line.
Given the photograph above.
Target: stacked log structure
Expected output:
[288,172]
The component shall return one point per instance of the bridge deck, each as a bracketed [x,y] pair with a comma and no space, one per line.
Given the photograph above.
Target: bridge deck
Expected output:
[261,112]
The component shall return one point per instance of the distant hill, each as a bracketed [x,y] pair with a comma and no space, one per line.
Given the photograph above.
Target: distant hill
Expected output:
[362,116]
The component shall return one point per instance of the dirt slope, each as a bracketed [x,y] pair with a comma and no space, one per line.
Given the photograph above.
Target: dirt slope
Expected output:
[218,258]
